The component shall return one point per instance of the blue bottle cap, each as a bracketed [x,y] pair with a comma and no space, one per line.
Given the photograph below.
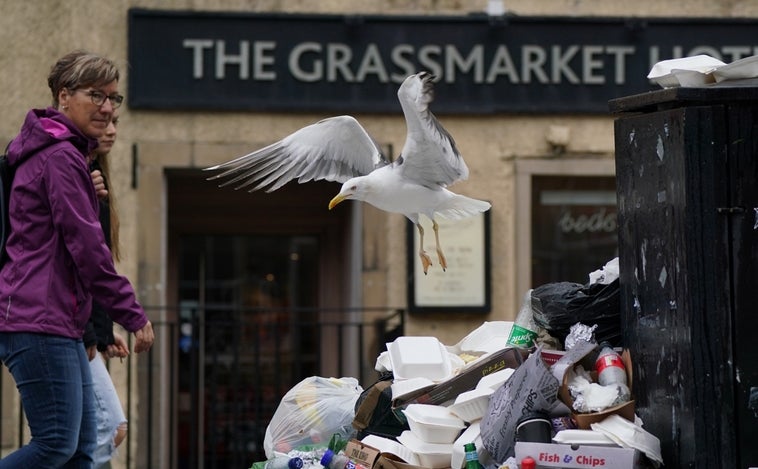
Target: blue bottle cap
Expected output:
[327,458]
[295,463]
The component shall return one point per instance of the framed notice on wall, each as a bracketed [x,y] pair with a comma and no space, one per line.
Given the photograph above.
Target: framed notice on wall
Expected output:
[465,285]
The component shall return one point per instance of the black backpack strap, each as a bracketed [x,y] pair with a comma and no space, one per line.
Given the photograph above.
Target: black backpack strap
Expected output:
[6,180]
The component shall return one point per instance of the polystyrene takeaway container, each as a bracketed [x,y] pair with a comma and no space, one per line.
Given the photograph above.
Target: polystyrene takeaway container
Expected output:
[414,357]
[433,423]
[472,405]
[432,455]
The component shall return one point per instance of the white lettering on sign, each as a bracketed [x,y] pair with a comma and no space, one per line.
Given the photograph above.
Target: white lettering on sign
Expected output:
[304,51]
[401,57]
[311,61]
[373,65]
[197,46]
[561,60]
[261,58]
[455,62]
[242,60]
[600,221]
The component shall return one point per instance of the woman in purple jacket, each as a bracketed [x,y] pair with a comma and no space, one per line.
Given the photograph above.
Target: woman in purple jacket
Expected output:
[57,262]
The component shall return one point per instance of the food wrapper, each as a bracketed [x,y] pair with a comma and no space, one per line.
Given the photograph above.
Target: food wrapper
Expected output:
[530,388]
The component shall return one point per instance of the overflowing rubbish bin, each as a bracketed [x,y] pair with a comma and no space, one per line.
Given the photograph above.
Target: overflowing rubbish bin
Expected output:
[563,400]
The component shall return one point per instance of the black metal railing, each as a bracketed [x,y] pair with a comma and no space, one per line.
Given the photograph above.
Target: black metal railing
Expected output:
[205,393]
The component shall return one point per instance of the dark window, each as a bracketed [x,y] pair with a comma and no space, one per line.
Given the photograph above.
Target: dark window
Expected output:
[574,227]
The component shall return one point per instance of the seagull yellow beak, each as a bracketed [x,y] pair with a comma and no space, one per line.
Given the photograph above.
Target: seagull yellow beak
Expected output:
[337,199]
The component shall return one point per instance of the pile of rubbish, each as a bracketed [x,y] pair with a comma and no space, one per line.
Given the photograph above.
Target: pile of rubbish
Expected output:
[552,389]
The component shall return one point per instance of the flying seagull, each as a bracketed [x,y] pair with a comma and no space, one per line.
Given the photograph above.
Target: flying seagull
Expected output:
[339,149]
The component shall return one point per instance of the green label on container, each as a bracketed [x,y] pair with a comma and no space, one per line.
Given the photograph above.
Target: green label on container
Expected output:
[521,337]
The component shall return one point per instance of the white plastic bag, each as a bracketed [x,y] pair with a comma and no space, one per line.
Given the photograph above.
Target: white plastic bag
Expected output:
[311,412]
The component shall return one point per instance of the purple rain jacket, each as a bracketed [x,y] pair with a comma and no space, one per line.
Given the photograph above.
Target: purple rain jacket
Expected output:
[58,259]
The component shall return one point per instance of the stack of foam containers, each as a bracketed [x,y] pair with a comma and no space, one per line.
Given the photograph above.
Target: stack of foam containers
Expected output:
[438,433]
[433,429]
[470,407]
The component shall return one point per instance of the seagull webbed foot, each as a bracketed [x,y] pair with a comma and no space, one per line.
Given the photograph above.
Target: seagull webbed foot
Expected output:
[440,256]
[442,259]
[426,261]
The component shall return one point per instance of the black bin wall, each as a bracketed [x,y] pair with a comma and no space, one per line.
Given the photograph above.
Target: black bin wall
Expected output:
[687,172]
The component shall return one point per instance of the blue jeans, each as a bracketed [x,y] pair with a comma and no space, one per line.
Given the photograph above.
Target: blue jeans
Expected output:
[52,375]
[110,414]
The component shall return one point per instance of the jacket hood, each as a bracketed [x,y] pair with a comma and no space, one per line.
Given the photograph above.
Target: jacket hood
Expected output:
[43,128]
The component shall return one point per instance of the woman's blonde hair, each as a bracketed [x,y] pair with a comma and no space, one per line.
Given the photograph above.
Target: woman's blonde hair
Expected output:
[105,168]
[103,161]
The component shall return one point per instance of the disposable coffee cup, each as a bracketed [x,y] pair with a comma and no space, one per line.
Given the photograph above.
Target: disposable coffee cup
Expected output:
[535,429]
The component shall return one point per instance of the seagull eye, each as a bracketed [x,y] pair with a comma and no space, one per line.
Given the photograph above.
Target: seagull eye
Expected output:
[354,188]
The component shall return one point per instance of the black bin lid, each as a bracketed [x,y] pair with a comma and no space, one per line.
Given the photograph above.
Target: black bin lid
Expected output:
[734,91]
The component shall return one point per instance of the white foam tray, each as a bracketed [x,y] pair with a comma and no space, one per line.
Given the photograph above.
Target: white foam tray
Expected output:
[414,357]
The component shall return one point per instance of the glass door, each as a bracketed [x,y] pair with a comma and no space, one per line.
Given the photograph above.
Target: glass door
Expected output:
[247,303]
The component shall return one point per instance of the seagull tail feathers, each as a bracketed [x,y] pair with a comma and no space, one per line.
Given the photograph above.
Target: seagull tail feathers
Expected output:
[460,207]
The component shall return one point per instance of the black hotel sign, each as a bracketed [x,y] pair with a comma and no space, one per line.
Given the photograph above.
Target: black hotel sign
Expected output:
[278,62]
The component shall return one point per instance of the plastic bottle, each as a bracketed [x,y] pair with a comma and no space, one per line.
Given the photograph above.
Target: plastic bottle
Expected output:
[311,458]
[528,463]
[332,460]
[284,462]
[337,443]
[609,366]
[524,330]
[472,457]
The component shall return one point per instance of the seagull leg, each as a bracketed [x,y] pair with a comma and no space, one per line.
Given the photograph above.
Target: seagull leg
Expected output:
[440,256]
[426,261]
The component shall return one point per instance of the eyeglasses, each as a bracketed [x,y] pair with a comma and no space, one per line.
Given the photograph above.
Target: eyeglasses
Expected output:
[98,98]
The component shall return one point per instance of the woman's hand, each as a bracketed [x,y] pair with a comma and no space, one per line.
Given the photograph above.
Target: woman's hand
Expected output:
[99,182]
[145,338]
[119,348]
[91,352]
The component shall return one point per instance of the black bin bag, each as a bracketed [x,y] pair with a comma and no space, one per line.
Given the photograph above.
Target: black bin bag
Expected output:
[374,414]
[558,306]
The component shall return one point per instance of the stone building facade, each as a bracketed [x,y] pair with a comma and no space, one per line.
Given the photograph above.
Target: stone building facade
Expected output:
[161,149]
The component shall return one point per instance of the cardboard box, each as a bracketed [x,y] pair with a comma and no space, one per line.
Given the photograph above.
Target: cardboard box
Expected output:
[390,461]
[584,421]
[361,453]
[580,456]
[552,356]
[466,380]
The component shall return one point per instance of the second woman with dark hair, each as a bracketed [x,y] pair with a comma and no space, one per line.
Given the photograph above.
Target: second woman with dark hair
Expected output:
[111,420]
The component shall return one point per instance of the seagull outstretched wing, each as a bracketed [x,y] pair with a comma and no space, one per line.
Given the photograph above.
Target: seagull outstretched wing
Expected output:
[430,157]
[334,149]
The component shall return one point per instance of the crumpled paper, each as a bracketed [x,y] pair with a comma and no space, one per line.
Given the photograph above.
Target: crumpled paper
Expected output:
[630,435]
[531,388]
[607,274]
[593,397]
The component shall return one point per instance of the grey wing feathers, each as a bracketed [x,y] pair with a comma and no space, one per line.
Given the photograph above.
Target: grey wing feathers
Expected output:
[334,149]
[430,155]
[452,168]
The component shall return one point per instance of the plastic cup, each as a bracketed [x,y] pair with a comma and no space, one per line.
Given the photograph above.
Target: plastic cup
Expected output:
[535,429]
